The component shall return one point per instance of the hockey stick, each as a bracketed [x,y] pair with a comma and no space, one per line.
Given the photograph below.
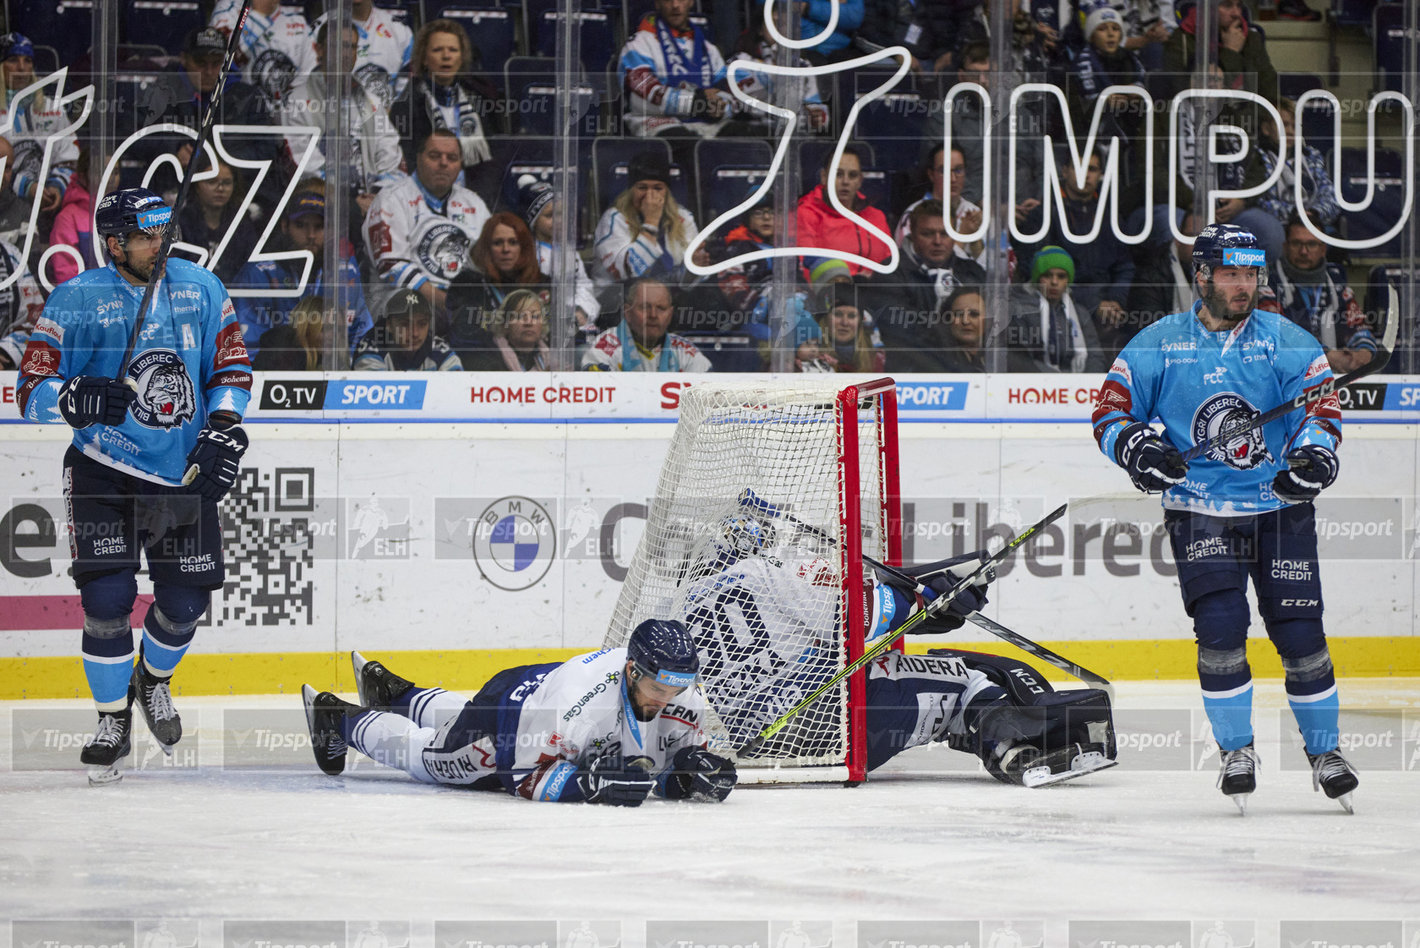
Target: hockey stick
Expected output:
[160,262]
[1015,638]
[933,608]
[1377,362]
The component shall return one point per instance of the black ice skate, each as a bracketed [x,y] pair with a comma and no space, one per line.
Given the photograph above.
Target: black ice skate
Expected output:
[156,701]
[378,686]
[1334,774]
[1025,765]
[1237,776]
[325,716]
[112,742]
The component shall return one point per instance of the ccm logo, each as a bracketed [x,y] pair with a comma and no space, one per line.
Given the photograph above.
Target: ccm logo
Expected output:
[1299,602]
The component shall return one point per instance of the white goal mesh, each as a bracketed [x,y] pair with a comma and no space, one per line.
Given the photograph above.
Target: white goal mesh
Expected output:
[765,495]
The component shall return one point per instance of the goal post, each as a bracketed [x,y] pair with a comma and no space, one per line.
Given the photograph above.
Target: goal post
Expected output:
[771,492]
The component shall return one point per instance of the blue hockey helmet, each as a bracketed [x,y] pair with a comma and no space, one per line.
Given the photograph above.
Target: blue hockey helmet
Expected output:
[1227,245]
[122,212]
[663,651]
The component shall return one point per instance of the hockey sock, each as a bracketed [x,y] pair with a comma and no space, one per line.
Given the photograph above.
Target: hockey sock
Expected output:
[1311,691]
[429,707]
[169,626]
[1227,695]
[108,660]
[390,739]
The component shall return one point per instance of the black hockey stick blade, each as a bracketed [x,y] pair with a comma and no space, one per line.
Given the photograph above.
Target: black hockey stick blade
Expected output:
[1015,638]
[935,607]
[160,263]
[1377,361]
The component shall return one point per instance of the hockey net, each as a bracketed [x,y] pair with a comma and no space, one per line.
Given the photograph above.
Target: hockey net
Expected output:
[769,495]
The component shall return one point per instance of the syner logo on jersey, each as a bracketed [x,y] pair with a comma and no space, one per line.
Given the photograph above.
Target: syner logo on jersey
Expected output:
[1225,412]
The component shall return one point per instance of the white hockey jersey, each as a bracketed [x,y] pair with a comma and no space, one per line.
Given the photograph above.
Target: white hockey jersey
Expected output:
[276,50]
[414,239]
[580,712]
[383,53]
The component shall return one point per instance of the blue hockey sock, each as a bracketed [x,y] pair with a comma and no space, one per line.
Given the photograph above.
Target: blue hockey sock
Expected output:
[1230,714]
[107,647]
[164,642]
[1317,717]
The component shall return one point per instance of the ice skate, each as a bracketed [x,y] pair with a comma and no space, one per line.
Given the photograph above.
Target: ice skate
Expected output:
[156,701]
[1025,765]
[1237,776]
[112,742]
[325,716]
[1334,774]
[378,686]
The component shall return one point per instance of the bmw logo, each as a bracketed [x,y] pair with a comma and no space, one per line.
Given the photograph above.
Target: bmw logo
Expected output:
[514,542]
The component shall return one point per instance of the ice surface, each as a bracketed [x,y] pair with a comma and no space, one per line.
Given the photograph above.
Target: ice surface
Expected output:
[931,838]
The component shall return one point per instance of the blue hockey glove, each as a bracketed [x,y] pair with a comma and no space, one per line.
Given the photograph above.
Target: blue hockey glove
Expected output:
[615,782]
[1153,464]
[940,577]
[213,462]
[1310,470]
[95,399]
[698,774]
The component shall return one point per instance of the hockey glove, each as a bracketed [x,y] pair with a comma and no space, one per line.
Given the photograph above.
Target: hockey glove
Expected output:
[698,774]
[213,462]
[1310,470]
[95,399]
[941,577]
[615,782]
[1153,464]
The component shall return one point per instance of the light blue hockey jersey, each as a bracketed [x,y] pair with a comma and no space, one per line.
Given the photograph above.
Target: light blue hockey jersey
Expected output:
[1199,383]
[188,363]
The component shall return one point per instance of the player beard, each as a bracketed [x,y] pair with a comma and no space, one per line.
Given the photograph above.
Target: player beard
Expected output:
[1221,309]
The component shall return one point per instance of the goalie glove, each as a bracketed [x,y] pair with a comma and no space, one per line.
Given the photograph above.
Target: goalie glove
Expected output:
[95,399]
[616,782]
[697,774]
[214,461]
[1153,464]
[939,577]
[1310,470]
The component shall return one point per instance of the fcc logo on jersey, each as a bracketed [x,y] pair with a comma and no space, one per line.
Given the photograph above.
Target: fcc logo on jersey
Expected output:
[514,542]
[165,397]
[1224,412]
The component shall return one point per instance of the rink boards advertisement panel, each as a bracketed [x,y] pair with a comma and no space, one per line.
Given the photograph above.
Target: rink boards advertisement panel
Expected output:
[480,512]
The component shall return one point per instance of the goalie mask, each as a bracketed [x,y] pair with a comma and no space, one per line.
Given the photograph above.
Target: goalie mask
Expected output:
[743,534]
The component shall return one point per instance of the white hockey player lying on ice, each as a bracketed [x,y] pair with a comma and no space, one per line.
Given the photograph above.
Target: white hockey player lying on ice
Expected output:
[620,724]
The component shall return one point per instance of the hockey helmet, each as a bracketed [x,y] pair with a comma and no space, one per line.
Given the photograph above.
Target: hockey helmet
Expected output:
[122,212]
[1227,245]
[663,651]
[744,534]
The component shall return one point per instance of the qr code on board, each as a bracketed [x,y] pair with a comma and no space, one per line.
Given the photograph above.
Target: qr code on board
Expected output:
[269,529]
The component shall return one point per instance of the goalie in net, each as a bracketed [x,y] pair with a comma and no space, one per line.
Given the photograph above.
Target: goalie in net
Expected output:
[756,594]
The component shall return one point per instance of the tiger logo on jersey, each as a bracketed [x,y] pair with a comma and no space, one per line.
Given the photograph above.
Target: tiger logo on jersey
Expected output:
[165,395]
[1224,412]
[441,249]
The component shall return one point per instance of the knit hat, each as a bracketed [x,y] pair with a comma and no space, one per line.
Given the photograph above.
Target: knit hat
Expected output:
[1101,15]
[16,44]
[649,166]
[1050,258]
[826,269]
[533,197]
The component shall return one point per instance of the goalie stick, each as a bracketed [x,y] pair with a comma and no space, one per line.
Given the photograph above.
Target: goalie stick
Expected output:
[160,264]
[1373,365]
[749,499]
[935,607]
[1015,638]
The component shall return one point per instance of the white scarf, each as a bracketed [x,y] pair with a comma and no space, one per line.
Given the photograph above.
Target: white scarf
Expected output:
[1077,335]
